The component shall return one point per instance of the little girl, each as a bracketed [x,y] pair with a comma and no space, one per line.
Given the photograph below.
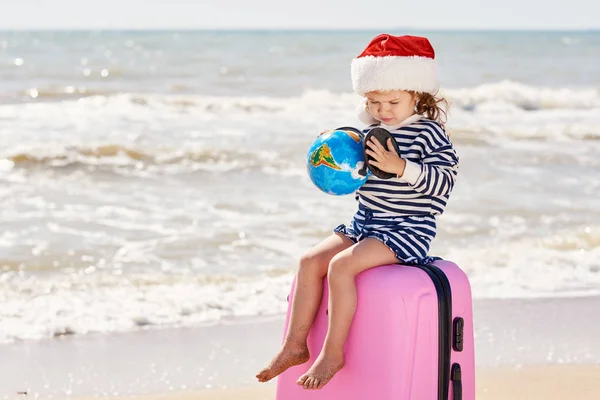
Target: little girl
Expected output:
[396,218]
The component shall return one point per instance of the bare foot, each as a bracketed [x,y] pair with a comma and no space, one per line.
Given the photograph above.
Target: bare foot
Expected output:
[321,372]
[287,357]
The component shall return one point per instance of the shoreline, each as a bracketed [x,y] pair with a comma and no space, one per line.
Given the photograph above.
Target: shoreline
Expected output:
[510,335]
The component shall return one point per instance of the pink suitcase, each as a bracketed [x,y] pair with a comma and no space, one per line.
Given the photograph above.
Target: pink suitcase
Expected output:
[411,339]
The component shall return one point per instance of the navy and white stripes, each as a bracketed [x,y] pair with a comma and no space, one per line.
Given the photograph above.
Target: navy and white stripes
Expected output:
[432,166]
[401,212]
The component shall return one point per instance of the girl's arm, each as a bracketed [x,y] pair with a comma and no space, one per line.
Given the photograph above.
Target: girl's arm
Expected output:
[435,173]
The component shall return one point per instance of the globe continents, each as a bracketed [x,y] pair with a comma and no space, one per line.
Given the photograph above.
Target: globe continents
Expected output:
[336,161]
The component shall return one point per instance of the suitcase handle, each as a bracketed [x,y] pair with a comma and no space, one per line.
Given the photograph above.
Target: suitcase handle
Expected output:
[456,377]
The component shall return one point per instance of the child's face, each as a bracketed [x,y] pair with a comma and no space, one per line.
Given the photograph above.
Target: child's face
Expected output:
[391,107]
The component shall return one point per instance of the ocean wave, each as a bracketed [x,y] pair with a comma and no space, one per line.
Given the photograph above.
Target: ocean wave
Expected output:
[63,93]
[39,309]
[528,98]
[507,92]
[559,263]
[562,264]
[504,109]
[123,155]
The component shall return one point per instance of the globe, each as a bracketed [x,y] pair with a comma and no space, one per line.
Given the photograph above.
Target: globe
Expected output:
[336,161]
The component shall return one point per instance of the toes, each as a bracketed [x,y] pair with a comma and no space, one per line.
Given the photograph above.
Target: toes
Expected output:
[302,380]
[263,376]
[308,383]
[322,383]
[315,384]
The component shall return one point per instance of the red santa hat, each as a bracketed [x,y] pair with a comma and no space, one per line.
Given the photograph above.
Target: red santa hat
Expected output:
[395,63]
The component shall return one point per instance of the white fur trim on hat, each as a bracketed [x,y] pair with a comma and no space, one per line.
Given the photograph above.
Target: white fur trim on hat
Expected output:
[370,73]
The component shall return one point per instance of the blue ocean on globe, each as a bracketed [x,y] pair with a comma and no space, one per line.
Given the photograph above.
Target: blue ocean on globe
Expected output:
[336,162]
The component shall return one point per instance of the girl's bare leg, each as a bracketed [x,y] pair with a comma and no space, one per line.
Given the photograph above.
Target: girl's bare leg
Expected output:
[307,298]
[342,272]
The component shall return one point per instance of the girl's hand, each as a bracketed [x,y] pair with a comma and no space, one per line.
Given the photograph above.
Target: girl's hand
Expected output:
[384,159]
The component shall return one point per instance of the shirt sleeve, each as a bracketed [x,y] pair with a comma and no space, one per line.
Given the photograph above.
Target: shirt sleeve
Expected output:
[435,174]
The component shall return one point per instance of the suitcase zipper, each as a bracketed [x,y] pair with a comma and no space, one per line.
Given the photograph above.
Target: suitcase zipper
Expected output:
[456,382]
[444,294]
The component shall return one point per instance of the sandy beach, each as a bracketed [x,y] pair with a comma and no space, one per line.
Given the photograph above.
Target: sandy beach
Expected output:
[576,382]
[573,382]
[525,349]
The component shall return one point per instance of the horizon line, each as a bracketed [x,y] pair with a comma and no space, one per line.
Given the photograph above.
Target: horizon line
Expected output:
[296,29]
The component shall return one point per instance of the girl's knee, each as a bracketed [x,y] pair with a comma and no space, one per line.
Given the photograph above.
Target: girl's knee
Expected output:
[313,264]
[339,266]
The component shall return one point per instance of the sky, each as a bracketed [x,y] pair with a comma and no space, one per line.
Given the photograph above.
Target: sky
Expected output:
[300,14]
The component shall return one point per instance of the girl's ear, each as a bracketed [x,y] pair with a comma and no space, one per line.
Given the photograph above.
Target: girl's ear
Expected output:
[415,96]
[415,99]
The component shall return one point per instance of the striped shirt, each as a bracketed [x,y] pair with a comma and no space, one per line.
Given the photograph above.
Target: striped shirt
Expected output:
[423,190]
